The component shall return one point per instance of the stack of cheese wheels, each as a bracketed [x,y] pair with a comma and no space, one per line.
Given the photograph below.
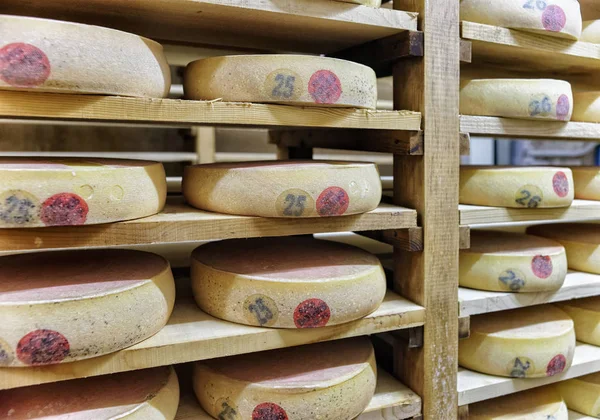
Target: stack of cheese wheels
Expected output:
[587,107]
[502,261]
[582,394]
[560,18]
[518,187]
[529,342]
[59,192]
[586,316]
[284,188]
[581,241]
[534,404]
[150,394]
[545,99]
[587,182]
[53,56]
[591,31]
[333,380]
[59,307]
[284,79]
[286,282]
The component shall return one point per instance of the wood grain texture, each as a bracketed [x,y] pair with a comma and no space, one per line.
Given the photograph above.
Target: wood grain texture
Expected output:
[410,239]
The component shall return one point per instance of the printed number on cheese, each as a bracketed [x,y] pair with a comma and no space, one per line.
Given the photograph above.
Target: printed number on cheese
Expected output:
[286,189]
[586,316]
[58,192]
[591,31]
[518,187]
[285,79]
[529,342]
[582,394]
[560,18]
[587,182]
[581,241]
[510,262]
[543,403]
[327,380]
[65,57]
[517,98]
[286,282]
[587,107]
[71,305]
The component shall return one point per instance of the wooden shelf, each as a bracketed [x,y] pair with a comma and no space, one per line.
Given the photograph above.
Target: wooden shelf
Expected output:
[194,335]
[577,285]
[573,415]
[474,386]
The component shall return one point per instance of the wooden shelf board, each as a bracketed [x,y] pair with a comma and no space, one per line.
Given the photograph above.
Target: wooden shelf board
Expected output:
[87,108]
[194,335]
[182,223]
[474,386]
[577,285]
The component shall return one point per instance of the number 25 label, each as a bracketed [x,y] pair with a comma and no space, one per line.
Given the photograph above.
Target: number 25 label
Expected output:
[283,85]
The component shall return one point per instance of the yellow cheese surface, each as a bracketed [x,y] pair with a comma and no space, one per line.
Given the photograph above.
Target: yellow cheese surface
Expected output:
[533,404]
[591,31]
[586,316]
[587,182]
[587,107]
[582,394]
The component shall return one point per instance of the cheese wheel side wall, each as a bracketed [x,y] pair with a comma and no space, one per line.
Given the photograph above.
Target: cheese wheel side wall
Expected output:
[587,179]
[582,257]
[581,396]
[587,323]
[591,31]
[163,406]
[586,107]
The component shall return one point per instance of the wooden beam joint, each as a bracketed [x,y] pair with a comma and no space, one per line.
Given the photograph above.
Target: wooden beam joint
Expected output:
[464,327]
[410,239]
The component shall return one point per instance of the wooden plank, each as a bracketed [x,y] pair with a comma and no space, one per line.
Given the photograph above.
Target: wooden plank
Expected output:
[186,113]
[464,327]
[166,157]
[464,144]
[205,144]
[410,239]
[466,51]
[474,386]
[464,237]
[194,335]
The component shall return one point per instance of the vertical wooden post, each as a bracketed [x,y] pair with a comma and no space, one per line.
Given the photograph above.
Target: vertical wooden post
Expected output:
[205,144]
[430,185]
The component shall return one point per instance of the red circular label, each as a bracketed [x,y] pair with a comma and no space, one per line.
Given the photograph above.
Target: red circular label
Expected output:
[64,209]
[562,107]
[311,313]
[23,65]
[42,347]
[542,266]
[333,201]
[554,18]
[560,183]
[269,411]
[324,87]
[556,365]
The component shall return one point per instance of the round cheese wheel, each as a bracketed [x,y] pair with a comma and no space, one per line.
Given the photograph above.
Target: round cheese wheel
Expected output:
[65,57]
[59,307]
[150,394]
[511,262]
[283,188]
[334,380]
[587,181]
[544,99]
[281,78]
[586,316]
[582,394]
[59,192]
[560,18]
[533,404]
[517,187]
[581,241]
[586,107]
[286,282]
[591,31]
[528,342]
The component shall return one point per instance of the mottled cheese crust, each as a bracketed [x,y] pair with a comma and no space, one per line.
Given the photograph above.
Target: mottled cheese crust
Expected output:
[286,282]
[586,316]
[587,181]
[59,307]
[587,107]
[282,78]
[54,56]
[591,31]
[533,404]
[334,380]
[283,188]
[582,394]
[530,342]
[516,187]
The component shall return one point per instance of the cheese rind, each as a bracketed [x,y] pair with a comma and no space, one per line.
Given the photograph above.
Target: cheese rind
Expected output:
[529,342]
[559,18]
[283,188]
[502,261]
[68,191]
[65,57]
[282,78]
[333,380]
[587,181]
[286,282]
[587,107]
[591,31]
[516,187]
[59,307]
[582,394]
[586,316]
[545,99]
[533,404]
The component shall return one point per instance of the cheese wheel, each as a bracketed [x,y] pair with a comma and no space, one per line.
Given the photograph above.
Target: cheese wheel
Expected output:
[581,241]
[544,99]
[586,316]
[587,181]
[529,342]
[286,282]
[543,403]
[582,394]
[59,307]
[65,57]
[511,262]
[282,78]
[58,192]
[559,18]
[586,107]
[334,380]
[591,31]
[517,187]
[150,394]
[283,188]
